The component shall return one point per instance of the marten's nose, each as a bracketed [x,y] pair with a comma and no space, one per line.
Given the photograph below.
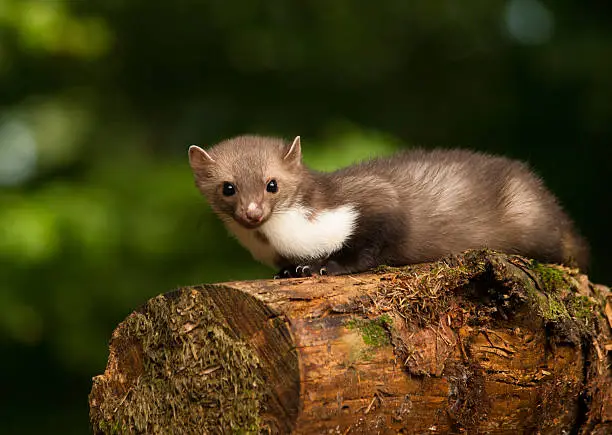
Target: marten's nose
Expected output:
[254,212]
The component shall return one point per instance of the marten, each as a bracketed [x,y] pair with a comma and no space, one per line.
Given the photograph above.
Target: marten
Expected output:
[413,207]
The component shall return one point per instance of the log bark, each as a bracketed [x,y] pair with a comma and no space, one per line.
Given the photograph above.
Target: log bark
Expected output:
[480,343]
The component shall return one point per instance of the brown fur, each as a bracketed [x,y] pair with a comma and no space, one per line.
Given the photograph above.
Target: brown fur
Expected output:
[249,162]
[413,207]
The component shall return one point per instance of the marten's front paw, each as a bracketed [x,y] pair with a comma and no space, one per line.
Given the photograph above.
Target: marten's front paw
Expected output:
[301,271]
[287,272]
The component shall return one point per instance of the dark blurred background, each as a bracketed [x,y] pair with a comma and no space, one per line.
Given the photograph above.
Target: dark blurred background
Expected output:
[99,100]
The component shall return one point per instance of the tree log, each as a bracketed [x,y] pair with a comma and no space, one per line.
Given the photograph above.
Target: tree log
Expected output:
[480,343]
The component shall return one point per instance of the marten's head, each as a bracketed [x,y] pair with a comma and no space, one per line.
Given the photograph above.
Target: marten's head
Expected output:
[248,178]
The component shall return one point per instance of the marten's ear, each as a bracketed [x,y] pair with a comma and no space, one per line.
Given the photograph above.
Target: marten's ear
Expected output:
[198,158]
[294,155]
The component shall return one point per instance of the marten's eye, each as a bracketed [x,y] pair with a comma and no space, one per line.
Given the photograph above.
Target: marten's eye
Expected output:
[228,189]
[272,187]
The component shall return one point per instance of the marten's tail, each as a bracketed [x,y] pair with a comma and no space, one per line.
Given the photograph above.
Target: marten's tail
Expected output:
[575,250]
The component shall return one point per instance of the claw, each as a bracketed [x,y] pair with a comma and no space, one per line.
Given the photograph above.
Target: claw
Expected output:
[306,271]
[323,271]
[298,270]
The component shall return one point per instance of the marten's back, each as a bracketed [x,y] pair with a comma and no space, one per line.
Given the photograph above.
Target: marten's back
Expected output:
[452,200]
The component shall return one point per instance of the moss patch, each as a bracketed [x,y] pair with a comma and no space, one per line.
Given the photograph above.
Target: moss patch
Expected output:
[583,310]
[548,305]
[552,279]
[556,309]
[559,303]
[197,376]
[375,332]
[582,307]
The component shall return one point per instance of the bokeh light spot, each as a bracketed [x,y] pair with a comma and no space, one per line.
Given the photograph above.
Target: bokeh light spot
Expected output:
[18,152]
[528,21]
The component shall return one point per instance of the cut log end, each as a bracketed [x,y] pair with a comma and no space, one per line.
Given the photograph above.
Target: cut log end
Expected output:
[482,342]
[200,362]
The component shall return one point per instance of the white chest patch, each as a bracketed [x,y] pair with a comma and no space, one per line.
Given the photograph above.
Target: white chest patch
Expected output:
[260,250]
[298,234]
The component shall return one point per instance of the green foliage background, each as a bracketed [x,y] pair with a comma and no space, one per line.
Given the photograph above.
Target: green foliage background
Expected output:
[99,100]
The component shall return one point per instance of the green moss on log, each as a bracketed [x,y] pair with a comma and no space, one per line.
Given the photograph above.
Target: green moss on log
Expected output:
[582,308]
[559,302]
[553,279]
[197,377]
[375,332]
